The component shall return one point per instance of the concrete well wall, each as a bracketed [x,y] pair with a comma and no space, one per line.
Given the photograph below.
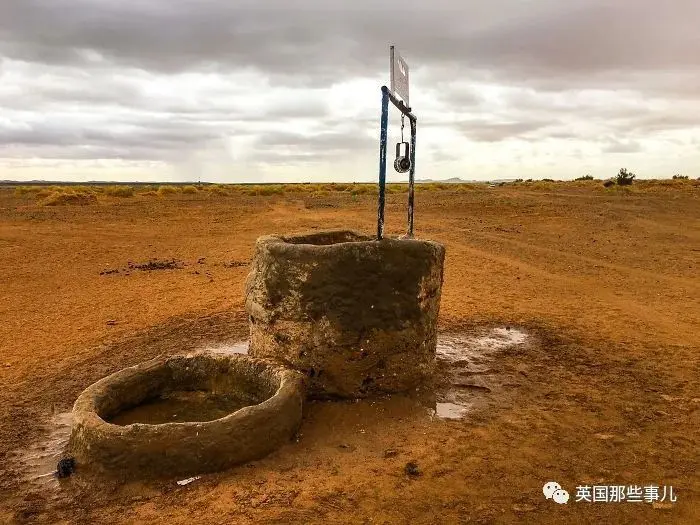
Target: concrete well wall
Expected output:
[356,315]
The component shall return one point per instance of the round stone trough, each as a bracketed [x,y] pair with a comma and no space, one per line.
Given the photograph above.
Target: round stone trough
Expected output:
[169,416]
[356,315]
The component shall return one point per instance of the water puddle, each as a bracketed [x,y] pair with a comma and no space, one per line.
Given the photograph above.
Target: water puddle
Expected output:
[467,362]
[239,347]
[450,410]
[181,407]
[38,460]
[469,368]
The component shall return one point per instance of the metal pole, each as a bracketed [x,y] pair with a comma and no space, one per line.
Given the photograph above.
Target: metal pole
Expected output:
[384,124]
[411,178]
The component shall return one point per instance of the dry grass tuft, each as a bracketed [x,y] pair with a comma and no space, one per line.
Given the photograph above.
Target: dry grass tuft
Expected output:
[69,199]
[119,191]
[167,190]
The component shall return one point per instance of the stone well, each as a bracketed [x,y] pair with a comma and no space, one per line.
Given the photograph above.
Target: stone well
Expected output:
[271,398]
[358,316]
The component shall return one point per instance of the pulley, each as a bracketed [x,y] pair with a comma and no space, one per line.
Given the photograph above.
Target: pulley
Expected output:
[402,164]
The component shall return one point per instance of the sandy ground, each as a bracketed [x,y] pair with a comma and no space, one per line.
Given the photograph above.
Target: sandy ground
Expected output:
[607,389]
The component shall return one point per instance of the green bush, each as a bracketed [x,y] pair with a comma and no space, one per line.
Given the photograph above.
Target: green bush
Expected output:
[585,177]
[624,178]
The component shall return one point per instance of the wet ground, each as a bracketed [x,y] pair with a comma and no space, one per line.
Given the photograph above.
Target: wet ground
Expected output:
[39,459]
[470,379]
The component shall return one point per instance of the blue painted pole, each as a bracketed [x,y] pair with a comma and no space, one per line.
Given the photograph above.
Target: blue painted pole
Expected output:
[411,178]
[384,124]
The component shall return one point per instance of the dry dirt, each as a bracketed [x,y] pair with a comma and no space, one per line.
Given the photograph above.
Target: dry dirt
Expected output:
[607,392]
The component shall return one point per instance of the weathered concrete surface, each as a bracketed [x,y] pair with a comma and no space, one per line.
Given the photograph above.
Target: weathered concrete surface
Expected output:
[144,450]
[356,315]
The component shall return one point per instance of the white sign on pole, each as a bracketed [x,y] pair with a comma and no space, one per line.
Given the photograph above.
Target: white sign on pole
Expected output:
[399,75]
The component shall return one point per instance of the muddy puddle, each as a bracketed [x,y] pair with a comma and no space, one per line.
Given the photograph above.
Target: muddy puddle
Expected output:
[38,460]
[467,364]
[180,407]
[469,370]
[238,347]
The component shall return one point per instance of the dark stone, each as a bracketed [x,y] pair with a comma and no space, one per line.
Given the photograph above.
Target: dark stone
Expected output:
[65,467]
[412,469]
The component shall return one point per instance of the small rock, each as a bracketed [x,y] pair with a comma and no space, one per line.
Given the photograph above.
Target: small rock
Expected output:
[187,481]
[391,453]
[604,437]
[111,322]
[523,508]
[201,260]
[669,398]
[65,467]
[6,365]
[259,501]
[412,469]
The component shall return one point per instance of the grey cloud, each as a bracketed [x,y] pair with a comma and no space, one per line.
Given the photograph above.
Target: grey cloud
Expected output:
[486,131]
[288,147]
[86,62]
[622,146]
[320,39]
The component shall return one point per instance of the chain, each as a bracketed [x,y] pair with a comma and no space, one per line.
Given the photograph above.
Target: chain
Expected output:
[403,118]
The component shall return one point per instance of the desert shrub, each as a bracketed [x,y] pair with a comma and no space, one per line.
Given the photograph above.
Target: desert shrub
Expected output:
[167,190]
[149,193]
[27,190]
[217,190]
[609,183]
[67,199]
[273,189]
[528,180]
[517,181]
[119,191]
[43,193]
[147,189]
[363,189]
[265,190]
[189,190]
[585,177]
[396,188]
[547,180]
[680,177]
[624,178]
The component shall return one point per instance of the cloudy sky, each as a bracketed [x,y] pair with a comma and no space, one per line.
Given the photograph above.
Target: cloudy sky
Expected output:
[247,91]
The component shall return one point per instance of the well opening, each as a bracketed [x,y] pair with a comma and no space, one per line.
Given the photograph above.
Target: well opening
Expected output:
[326,238]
